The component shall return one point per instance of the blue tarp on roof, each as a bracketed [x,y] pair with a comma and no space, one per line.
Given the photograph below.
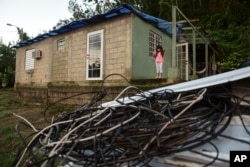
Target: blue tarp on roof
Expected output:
[117,11]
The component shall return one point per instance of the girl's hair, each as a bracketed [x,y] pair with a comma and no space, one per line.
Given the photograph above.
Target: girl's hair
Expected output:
[160,47]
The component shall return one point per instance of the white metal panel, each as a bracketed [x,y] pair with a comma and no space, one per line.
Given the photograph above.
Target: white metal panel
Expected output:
[190,85]
[29,60]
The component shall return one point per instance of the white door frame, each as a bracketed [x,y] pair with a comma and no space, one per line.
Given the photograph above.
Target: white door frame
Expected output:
[182,60]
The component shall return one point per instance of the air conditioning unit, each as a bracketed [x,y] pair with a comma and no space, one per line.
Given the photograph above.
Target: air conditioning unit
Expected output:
[37,54]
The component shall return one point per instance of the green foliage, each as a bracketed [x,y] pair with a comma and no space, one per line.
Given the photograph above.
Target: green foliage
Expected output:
[229,29]
[22,35]
[76,9]
[89,8]
[7,65]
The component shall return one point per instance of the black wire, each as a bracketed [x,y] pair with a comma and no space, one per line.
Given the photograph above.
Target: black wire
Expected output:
[100,94]
[46,109]
[213,158]
[197,126]
[241,119]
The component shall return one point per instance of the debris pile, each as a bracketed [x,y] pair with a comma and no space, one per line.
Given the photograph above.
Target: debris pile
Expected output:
[161,123]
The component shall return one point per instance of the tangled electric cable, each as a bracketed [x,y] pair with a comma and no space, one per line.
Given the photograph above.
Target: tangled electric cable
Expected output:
[131,134]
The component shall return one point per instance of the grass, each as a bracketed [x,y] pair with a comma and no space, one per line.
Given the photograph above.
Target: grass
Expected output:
[5,113]
[9,139]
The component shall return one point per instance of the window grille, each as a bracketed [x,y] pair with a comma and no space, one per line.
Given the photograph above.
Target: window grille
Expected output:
[154,40]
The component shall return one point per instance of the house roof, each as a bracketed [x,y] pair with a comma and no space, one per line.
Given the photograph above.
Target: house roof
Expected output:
[115,12]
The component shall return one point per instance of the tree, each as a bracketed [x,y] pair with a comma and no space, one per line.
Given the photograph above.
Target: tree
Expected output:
[228,25]
[89,8]
[22,35]
[7,65]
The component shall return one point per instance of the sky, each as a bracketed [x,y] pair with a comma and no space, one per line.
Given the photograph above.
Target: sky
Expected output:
[34,16]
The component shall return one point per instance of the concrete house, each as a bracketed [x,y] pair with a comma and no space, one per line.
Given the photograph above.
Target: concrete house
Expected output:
[85,52]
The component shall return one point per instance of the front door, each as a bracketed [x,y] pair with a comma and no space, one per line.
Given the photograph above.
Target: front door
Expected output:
[94,57]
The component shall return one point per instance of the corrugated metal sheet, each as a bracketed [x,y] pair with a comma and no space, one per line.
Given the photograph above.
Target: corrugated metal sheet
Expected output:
[224,146]
[192,85]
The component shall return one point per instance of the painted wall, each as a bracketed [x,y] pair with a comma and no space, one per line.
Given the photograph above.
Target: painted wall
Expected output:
[143,66]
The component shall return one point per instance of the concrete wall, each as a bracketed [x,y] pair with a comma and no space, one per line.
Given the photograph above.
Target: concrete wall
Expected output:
[69,65]
[69,95]
[62,73]
[42,74]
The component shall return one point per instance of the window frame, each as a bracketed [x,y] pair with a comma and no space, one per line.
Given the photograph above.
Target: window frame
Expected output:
[88,56]
[29,61]
[154,40]
[61,44]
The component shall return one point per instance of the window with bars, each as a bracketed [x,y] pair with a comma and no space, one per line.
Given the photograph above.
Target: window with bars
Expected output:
[154,40]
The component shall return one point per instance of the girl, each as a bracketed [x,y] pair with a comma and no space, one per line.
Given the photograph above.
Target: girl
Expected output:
[159,60]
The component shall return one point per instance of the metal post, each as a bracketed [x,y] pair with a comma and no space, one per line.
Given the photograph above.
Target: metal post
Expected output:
[194,52]
[206,57]
[173,36]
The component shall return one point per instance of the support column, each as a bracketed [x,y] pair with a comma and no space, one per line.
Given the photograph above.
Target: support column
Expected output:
[173,36]
[206,58]
[173,71]
[194,53]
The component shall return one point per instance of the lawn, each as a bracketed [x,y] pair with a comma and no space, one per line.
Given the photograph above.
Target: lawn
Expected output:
[11,125]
